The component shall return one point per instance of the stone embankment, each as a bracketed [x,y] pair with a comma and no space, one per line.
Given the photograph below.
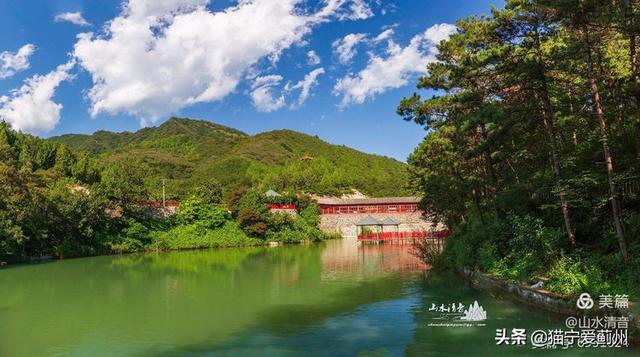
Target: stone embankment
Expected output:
[543,299]
[345,224]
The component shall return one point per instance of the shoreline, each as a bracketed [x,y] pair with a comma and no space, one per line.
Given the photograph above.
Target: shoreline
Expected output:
[542,299]
[48,258]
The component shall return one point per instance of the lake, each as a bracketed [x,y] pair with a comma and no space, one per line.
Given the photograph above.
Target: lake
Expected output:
[334,298]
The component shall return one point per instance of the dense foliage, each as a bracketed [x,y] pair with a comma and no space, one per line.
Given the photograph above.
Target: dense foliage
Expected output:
[186,152]
[54,202]
[534,141]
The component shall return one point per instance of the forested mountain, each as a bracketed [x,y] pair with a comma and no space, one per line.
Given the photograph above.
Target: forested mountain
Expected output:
[61,203]
[187,152]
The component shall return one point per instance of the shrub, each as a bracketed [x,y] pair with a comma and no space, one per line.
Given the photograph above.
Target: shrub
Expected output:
[195,210]
[193,236]
[311,214]
[572,277]
[531,249]
[253,215]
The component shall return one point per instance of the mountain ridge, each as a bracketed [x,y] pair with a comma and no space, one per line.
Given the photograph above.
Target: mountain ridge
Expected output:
[187,151]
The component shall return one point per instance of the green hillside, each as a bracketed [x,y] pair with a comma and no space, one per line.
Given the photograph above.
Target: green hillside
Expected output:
[186,152]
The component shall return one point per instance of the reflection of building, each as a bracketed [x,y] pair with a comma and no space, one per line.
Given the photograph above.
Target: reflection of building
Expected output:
[386,215]
[367,260]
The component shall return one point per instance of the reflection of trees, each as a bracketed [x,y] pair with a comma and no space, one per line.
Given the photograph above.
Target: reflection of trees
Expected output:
[289,318]
[210,299]
[173,297]
[187,261]
[286,320]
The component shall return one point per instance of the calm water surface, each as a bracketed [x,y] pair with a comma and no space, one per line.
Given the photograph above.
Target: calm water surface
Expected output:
[331,299]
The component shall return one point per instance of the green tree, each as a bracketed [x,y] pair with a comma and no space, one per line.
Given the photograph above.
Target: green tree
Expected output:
[198,211]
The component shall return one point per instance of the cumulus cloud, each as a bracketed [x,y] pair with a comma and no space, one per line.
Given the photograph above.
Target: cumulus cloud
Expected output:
[157,57]
[393,70]
[75,18]
[310,80]
[439,32]
[31,108]
[262,95]
[345,48]
[312,58]
[12,63]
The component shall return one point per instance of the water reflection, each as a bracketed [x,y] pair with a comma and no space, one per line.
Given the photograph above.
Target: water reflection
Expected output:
[335,298]
[353,260]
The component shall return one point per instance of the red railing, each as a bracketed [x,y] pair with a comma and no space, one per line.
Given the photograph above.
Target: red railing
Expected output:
[404,235]
[282,206]
[382,208]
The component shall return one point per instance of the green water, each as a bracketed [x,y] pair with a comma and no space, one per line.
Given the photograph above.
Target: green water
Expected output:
[329,299]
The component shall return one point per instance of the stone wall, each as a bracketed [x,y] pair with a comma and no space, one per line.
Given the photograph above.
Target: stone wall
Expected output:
[161,212]
[544,299]
[345,224]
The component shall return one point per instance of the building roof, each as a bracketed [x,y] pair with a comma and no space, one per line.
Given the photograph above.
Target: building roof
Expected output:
[272,193]
[368,221]
[387,221]
[366,201]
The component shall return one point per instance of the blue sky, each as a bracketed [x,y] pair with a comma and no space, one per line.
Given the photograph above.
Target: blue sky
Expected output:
[77,66]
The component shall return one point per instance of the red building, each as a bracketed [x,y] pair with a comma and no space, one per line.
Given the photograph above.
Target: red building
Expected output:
[368,205]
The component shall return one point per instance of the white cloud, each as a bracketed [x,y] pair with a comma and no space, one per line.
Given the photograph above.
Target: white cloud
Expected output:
[157,57]
[262,96]
[359,11]
[439,32]
[12,63]
[394,70]
[305,85]
[345,48]
[384,35]
[312,58]
[72,17]
[356,9]
[31,108]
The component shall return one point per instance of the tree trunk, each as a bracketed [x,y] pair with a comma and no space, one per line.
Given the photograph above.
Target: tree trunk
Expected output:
[635,68]
[615,203]
[487,156]
[476,201]
[548,119]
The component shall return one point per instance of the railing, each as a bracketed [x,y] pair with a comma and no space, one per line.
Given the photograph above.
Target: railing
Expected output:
[381,208]
[404,235]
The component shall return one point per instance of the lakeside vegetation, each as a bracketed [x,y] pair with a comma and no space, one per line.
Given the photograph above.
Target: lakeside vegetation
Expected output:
[534,140]
[56,202]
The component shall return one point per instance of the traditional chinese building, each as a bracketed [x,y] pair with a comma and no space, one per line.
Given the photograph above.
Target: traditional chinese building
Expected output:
[377,218]
[277,205]
[368,205]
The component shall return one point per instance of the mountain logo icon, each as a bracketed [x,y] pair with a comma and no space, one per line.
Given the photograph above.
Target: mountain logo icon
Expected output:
[475,312]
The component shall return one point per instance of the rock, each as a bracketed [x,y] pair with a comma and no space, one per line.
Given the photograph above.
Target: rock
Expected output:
[538,285]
